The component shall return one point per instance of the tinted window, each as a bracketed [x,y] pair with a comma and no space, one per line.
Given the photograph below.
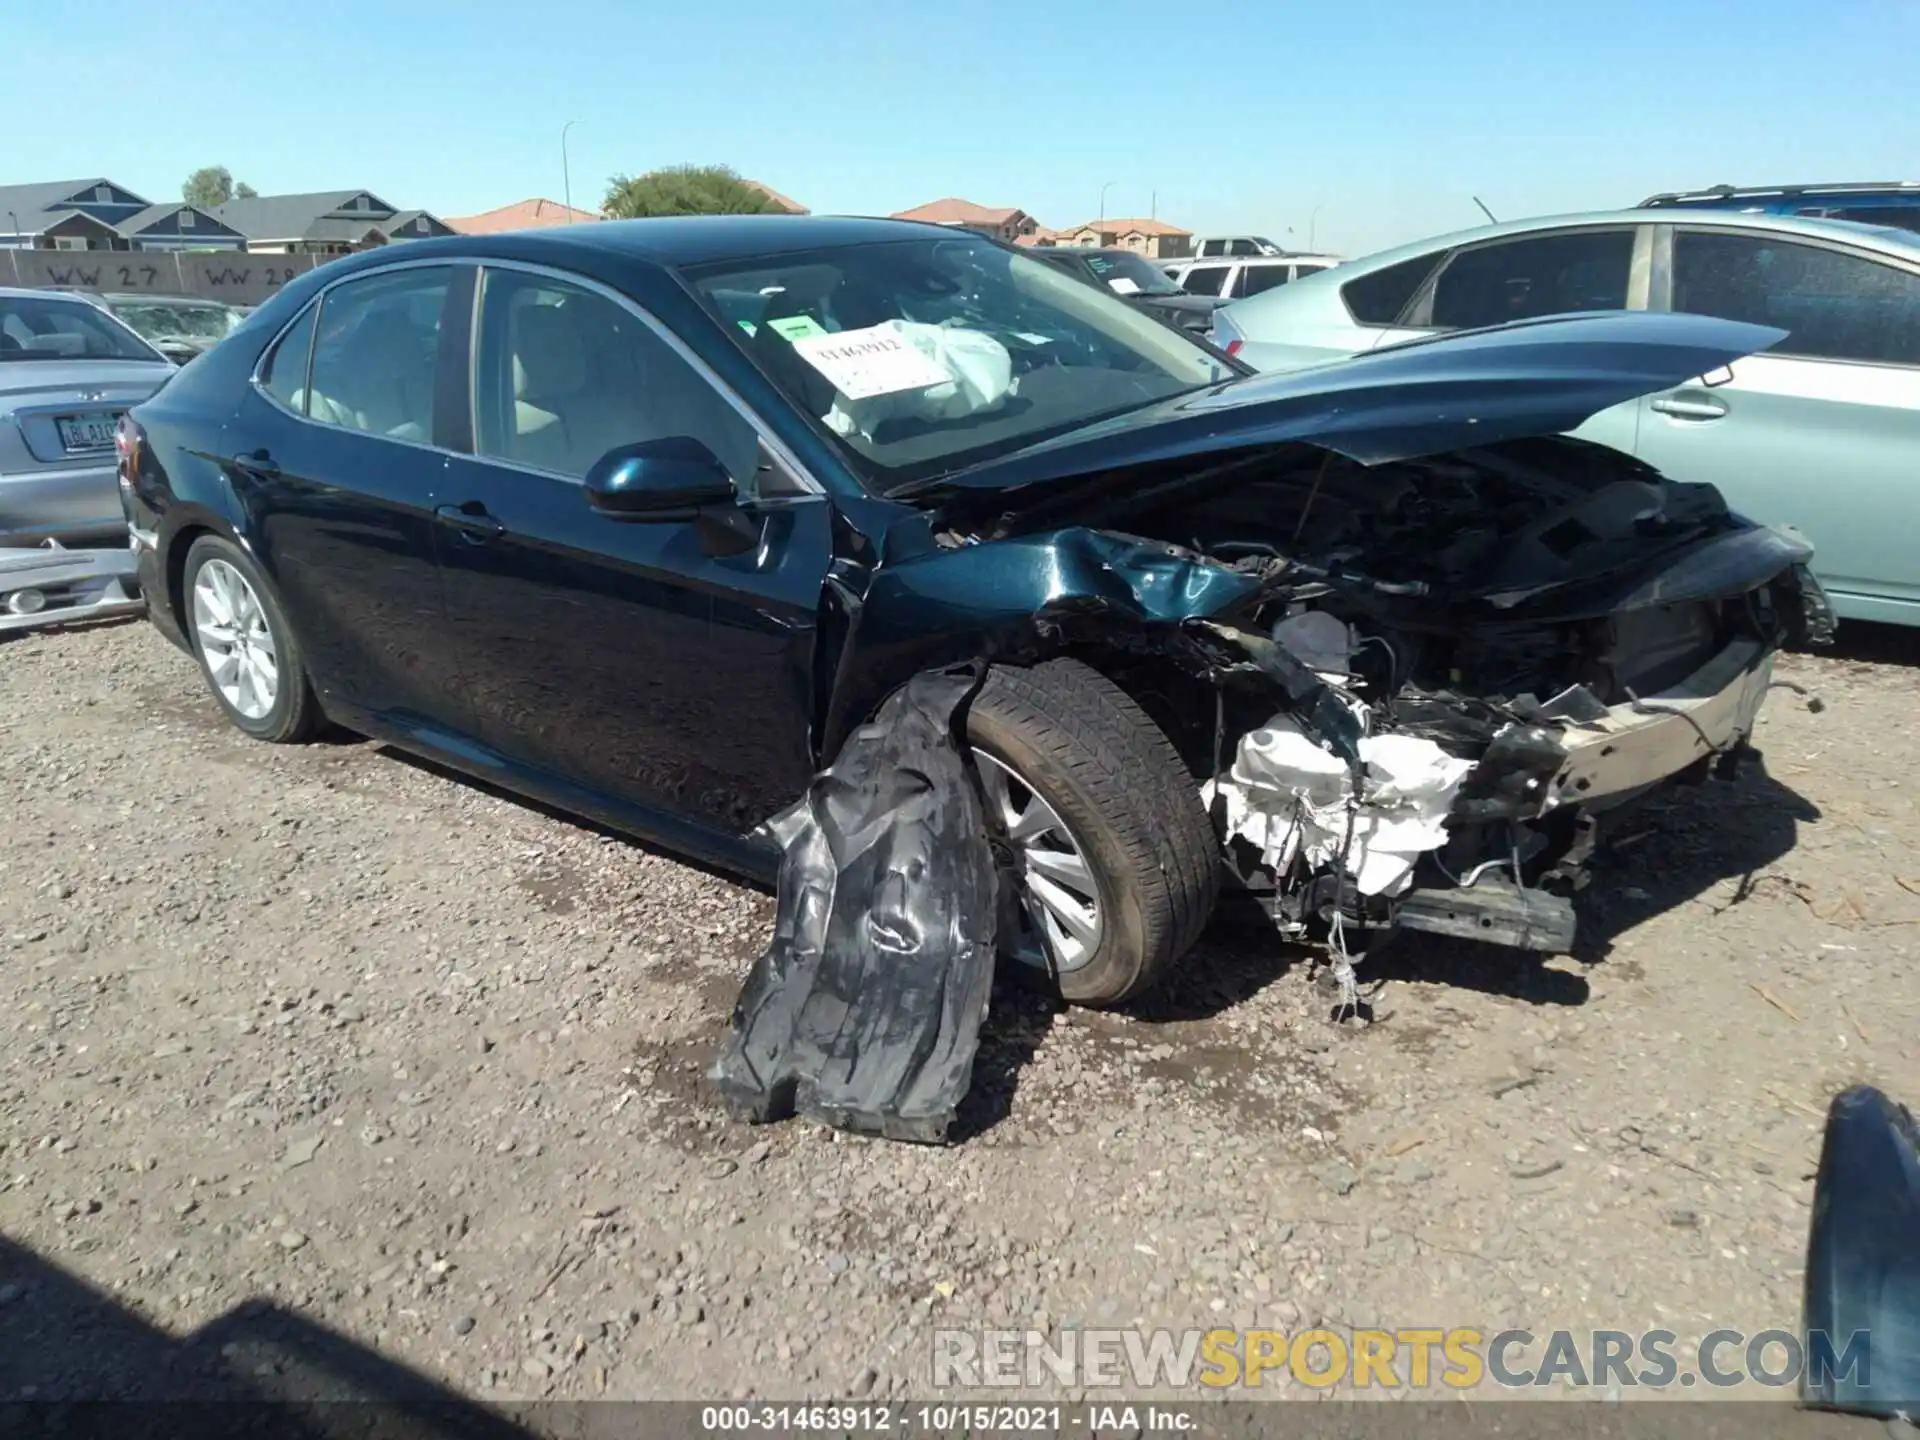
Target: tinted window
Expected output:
[1836,306]
[1903,217]
[1213,247]
[1301,272]
[286,373]
[1204,279]
[1534,276]
[1383,297]
[1243,247]
[565,375]
[375,353]
[1255,278]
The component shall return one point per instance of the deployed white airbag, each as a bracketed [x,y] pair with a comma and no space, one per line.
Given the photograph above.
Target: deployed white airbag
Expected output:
[1286,795]
[901,368]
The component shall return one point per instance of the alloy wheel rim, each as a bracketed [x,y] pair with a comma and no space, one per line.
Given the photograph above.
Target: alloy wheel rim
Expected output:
[1060,916]
[236,642]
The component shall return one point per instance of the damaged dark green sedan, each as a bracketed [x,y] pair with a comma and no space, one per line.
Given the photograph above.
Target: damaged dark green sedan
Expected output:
[645,519]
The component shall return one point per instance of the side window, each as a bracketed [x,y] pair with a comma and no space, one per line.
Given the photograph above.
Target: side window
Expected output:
[1901,217]
[1212,247]
[376,351]
[1836,306]
[1382,298]
[1533,276]
[1301,272]
[285,377]
[1243,247]
[564,375]
[1205,279]
[1256,278]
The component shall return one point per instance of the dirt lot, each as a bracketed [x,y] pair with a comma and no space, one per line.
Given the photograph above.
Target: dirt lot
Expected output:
[325,1031]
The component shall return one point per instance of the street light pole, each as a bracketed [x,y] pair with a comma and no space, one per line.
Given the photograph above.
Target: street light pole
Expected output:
[566,176]
[1312,220]
[1103,197]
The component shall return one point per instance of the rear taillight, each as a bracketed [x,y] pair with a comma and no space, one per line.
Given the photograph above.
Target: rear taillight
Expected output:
[126,448]
[1233,346]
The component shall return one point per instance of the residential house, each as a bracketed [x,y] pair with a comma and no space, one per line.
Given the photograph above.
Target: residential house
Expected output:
[1155,239]
[792,207]
[329,222]
[1002,223]
[67,215]
[533,214]
[178,227]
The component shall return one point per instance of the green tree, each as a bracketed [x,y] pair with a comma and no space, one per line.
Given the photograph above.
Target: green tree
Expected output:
[686,190]
[213,185]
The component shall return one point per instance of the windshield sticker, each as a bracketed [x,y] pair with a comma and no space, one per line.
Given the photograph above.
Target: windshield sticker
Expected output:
[1122,285]
[876,361]
[796,327]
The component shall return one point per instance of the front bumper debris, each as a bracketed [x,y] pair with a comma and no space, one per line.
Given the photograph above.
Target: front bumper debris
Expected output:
[48,585]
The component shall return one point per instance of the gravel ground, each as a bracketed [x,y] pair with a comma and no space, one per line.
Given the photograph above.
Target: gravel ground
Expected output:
[322,1032]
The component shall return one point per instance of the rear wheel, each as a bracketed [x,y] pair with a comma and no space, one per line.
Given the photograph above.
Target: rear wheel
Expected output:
[1101,824]
[247,650]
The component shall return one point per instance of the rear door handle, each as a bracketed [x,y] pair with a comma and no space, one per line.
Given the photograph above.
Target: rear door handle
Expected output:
[471,519]
[257,463]
[1690,407]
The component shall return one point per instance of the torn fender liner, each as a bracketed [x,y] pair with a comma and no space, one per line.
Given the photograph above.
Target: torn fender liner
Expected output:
[865,1011]
[1863,1260]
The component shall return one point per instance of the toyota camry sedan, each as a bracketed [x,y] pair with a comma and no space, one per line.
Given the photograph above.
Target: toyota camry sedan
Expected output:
[644,519]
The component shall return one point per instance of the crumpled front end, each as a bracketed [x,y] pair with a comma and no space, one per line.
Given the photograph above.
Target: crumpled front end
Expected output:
[1425,684]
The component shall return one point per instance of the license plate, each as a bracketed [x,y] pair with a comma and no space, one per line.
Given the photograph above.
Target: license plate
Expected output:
[92,431]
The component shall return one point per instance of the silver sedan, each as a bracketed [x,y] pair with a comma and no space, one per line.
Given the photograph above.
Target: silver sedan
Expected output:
[68,372]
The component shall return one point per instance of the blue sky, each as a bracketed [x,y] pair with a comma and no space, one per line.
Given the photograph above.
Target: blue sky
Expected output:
[1386,116]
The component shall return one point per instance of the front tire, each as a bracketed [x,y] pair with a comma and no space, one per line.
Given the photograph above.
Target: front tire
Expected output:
[247,651]
[1091,807]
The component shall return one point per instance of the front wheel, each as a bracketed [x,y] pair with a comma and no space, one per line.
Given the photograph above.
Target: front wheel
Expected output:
[246,649]
[1101,825]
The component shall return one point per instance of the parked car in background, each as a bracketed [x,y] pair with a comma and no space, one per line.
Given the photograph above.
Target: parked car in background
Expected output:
[1887,202]
[1215,246]
[1821,432]
[1136,280]
[68,372]
[1237,279]
[178,326]
[645,518]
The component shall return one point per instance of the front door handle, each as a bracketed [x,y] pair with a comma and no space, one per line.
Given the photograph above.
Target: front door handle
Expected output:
[471,519]
[1691,407]
[258,462]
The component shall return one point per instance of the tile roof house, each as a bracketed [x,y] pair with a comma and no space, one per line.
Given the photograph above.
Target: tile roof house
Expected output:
[67,214]
[1153,238]
[535,214]
[327,222]
[792,207]
[1002,223]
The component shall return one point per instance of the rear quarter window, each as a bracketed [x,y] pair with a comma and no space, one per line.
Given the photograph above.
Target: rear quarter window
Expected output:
[1383,296]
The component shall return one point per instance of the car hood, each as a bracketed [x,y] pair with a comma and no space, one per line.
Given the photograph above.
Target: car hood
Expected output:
[33,382]
[1425,397]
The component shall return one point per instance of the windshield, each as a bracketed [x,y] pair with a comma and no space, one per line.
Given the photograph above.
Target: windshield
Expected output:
[33,328]
[923,357]
[1128,274]
[161,320]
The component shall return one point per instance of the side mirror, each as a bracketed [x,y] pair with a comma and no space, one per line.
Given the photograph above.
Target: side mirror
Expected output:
[670,479]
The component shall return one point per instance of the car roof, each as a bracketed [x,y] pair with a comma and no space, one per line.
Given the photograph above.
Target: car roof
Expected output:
[1718,194]
[30,292]
[685,240]
[147,297]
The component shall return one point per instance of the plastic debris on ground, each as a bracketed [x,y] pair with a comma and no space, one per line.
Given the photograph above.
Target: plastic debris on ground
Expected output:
[1288,796]
[865,1011]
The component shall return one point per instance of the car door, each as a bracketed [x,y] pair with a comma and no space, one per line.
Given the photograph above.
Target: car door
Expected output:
[658,673]
[1822,432]
[337,456]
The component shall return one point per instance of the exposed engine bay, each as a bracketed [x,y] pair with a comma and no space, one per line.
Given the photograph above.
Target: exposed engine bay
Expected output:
[1475,657]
